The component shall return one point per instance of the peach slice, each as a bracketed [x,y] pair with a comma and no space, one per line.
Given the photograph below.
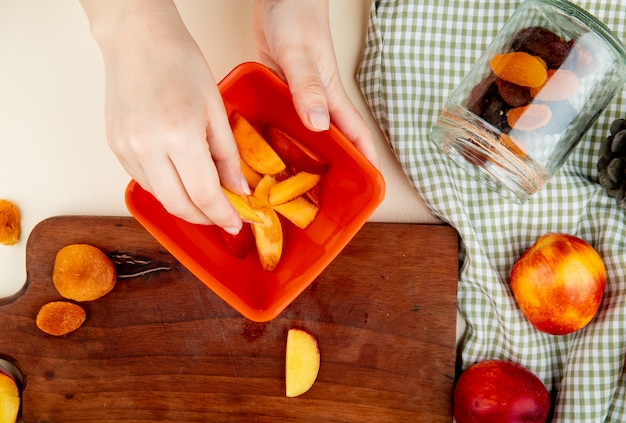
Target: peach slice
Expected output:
[9,397]
[253,148]
[241,206]
[268,234]
[298,211]
[302,362]
[292,187]
[251,176]
[262,190]
[294,153]
[238,245]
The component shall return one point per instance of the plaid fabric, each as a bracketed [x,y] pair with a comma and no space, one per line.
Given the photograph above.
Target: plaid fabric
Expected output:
[416,52]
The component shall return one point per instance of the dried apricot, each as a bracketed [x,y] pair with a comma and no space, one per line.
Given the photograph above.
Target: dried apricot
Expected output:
[529,117]
[9,223]
[519,68]
[563,114]
[560,85]
[584,61]
[60,318]
[83,272]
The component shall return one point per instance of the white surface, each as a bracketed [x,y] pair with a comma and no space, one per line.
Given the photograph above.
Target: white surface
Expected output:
[54,159]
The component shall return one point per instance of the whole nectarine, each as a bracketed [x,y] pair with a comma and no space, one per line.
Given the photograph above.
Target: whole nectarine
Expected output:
[558,283]
[500,391]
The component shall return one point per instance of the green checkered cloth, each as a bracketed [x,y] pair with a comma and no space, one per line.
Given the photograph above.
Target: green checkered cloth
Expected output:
[416,52]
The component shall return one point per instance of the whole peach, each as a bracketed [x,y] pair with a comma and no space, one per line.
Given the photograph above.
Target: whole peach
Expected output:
[558,283]
[500,391]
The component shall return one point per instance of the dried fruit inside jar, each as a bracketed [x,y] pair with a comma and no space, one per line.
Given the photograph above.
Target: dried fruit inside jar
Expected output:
[530,86]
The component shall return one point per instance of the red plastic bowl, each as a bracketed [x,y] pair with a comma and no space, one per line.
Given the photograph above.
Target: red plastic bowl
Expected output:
[349,193]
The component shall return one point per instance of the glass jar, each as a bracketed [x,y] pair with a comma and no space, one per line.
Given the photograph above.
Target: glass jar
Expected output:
[527,102]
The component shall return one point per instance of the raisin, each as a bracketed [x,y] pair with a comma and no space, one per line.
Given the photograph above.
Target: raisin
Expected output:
[544,43]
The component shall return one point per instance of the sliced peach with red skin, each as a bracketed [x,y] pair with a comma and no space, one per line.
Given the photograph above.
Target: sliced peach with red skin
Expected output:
[268,234]
[292,187]
[239,245]
[242,207]
[262,190]
[298,211]
[294,153]
[252,177]
[253,148]
[313,195]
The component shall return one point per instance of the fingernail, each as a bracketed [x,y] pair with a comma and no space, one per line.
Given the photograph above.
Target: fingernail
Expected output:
[244,185]
[319,118]
[233,230]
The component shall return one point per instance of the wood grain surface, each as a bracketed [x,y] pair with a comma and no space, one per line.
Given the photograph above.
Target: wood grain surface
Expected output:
[163,347]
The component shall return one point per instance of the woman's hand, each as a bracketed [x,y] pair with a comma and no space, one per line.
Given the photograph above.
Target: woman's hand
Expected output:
[293,38]
[165,118]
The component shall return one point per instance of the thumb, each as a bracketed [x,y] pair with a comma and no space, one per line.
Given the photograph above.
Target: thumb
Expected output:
[309,96]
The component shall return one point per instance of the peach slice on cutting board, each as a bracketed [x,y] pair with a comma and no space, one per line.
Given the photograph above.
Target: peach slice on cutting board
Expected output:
[302,362]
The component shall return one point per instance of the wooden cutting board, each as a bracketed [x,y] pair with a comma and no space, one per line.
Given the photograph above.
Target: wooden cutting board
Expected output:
[162,347]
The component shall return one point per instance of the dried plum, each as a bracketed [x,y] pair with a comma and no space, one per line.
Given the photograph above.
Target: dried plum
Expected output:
[479,96]
[513,94]
[542,42]
[495,113]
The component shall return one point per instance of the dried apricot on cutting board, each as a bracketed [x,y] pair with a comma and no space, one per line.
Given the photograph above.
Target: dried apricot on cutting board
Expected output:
[9,223]
[60,318]
[83,272]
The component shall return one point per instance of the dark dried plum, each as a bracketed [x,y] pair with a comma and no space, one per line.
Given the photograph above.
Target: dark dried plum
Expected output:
[544,43]
[513,94]
[479,96]
[495,113]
